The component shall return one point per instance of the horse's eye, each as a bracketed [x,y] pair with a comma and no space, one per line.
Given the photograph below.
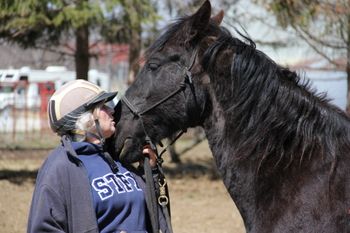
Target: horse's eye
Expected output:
[153,66]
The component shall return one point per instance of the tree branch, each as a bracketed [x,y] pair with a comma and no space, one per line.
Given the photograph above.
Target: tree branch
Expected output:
[322,42]
[315,48]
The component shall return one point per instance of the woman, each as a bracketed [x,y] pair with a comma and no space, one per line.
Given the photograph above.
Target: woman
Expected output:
[80,188]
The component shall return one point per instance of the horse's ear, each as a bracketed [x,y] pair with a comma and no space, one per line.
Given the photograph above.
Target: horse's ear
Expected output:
[217,19]
[200,19]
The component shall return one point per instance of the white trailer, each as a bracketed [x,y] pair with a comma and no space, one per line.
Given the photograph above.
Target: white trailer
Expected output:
[14,92]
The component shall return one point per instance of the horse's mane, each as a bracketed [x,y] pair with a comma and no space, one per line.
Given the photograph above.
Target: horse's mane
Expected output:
[270,111]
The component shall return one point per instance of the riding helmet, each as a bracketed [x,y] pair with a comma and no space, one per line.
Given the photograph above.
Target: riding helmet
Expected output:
[73,99]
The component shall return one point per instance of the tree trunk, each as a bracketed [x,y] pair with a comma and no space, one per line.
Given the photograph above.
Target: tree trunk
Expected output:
[82,56]
[348,79]
[348,67]
[134,54]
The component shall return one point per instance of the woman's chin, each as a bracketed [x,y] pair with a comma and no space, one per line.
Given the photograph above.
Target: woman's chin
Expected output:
[109,133]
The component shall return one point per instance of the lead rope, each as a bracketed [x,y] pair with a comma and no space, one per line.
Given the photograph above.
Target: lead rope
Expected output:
[163,196]
[163,199]
[151,199]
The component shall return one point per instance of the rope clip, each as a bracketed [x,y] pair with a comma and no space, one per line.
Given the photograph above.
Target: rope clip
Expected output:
[162,199]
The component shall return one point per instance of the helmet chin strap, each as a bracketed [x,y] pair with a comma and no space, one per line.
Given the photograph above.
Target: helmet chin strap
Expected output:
[105,154]
[99,135]
[99,132]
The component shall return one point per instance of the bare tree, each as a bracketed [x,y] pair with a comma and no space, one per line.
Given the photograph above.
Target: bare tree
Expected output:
[323,25]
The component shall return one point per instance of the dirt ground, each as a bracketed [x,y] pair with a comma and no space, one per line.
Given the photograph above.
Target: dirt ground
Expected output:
[199,201]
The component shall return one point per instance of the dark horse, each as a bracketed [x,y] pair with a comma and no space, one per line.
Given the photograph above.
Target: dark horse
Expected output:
[281,149]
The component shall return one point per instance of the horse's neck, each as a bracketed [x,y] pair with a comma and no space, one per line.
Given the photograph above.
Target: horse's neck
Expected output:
[236,180]
[256,200]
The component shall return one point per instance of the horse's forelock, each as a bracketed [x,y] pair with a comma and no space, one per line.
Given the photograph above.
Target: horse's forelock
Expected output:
[182,32]
[177,32]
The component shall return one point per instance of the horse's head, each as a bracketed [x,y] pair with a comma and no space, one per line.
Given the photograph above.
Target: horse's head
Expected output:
[171,91]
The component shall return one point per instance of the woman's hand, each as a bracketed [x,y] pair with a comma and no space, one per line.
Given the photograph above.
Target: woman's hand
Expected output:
[148,152]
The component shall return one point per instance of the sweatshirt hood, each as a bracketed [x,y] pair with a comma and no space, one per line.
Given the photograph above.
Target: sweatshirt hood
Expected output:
[86,148]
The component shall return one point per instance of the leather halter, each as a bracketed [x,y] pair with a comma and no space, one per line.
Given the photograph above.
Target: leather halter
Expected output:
[182,87]
[163,198]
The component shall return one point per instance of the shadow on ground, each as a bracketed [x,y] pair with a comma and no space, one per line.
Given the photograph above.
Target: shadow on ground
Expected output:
[18,176]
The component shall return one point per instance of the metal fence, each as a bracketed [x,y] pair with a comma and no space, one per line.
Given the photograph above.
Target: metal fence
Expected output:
[25,127]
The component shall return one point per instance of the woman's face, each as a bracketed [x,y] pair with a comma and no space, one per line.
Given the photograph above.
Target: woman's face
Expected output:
[107,124]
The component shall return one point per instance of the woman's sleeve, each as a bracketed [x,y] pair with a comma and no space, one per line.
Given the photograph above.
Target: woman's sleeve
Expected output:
[47,212]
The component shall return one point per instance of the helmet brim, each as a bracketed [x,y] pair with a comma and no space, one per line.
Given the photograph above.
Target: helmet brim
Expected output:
[101,98]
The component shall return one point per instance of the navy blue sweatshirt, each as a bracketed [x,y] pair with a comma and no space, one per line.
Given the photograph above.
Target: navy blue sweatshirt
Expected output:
[63,199]
[118,201]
